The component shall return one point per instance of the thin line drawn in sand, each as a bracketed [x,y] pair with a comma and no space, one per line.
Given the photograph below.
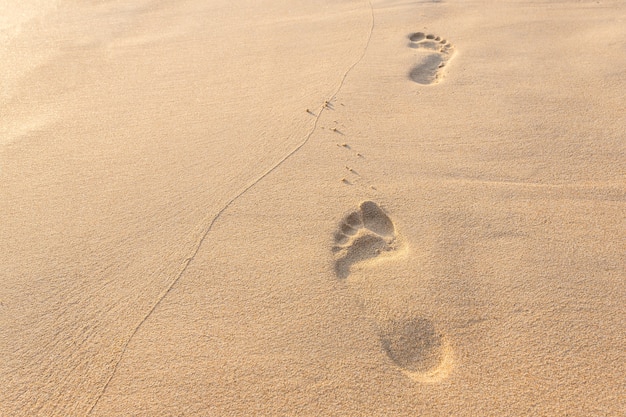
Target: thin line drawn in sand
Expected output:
[230,202]
[412,344]
[435,53]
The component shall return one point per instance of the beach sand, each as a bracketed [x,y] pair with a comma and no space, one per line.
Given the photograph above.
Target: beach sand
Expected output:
[411,208]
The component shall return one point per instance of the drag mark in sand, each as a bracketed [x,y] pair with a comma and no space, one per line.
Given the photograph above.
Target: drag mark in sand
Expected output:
[413,344]
[434,55]
[209,227]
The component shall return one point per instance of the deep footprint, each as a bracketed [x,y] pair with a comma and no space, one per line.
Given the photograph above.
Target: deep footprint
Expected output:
[435,54]
[363,234]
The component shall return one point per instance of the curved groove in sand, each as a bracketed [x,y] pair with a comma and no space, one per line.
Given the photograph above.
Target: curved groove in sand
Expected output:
[227,205]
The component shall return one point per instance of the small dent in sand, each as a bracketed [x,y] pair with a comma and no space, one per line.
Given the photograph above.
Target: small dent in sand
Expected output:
[416,347]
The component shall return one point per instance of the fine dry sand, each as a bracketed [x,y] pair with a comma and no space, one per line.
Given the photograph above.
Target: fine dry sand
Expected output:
[316,208]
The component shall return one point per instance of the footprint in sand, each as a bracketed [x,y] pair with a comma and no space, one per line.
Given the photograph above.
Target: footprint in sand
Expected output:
[363,234]
[417,348]
[434,55]
[413,344]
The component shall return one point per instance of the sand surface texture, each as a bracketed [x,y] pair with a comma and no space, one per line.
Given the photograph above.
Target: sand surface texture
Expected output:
[290,207]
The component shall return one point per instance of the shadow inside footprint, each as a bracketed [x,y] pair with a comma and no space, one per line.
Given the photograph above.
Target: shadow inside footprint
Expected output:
[375,219]
[427,70]
[414,345]
[364,247]
[417,36]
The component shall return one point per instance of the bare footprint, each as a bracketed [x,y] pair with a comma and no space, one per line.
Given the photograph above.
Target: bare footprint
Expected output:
[363,234]
[434,56]
[413,344]
[417,348]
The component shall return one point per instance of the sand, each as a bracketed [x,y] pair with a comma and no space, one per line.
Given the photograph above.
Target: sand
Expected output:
[411,208]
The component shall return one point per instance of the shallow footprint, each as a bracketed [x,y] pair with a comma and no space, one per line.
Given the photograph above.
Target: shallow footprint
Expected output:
[436,53]
[417,348]
[363,234]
